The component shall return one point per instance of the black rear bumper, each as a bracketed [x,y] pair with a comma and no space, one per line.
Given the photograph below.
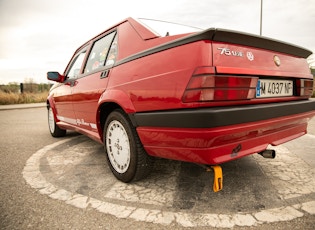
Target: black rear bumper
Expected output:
[221,116]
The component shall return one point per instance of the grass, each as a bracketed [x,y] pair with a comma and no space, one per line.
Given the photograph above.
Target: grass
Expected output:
[18,98]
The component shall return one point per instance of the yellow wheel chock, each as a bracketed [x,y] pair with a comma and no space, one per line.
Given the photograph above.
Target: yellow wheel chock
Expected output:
[218,178]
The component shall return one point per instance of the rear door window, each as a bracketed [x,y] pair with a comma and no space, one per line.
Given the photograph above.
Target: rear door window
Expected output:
[102,53]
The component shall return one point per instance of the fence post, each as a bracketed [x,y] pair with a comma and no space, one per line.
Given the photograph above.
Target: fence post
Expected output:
[21,88]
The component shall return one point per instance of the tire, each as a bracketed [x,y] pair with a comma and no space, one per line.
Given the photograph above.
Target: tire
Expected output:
[125,154]
[54,129]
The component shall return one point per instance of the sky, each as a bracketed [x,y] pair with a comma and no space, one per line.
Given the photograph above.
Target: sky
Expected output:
[37,36]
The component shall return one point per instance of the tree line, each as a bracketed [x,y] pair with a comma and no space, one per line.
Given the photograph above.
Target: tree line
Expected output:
[25,87]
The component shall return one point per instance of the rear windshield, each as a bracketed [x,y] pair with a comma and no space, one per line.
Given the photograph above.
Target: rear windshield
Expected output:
[163,28]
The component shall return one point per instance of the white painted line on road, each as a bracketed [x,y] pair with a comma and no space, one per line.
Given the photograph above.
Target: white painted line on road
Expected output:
[309,207]
[35,179]
[278,214]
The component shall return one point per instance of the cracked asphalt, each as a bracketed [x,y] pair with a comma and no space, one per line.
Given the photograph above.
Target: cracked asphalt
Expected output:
[64,183]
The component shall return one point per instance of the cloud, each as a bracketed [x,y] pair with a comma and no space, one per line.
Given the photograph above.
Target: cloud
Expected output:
[37,36]
[291,21]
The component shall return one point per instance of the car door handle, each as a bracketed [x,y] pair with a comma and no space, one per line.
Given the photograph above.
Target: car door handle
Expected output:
[105,73]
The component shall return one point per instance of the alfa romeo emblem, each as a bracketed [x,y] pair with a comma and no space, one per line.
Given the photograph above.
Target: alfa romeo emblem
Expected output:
[250,56]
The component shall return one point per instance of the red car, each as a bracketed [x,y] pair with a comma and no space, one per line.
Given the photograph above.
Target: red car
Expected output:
[207,96]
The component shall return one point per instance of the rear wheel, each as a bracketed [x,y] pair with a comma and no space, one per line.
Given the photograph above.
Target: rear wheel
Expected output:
[125,155]
[54,129]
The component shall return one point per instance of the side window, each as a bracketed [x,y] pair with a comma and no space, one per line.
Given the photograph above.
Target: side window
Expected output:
[76,66]
[100,52]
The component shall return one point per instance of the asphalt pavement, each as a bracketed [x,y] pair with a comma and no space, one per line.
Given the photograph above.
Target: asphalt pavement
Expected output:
[22,106]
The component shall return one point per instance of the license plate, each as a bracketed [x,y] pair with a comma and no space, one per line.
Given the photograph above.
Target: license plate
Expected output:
[274,88]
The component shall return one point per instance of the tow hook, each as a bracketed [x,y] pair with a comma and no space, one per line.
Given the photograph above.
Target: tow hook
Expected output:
[268,153]
[217,176]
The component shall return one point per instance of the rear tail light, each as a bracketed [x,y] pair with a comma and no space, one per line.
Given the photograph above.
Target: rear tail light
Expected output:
[205,86]
[305,87]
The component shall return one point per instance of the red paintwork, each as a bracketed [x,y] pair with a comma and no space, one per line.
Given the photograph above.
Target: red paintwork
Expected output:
[262,64]
[157,82]
[214,146]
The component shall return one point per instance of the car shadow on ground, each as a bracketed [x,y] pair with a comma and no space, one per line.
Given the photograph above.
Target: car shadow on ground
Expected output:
[79,166]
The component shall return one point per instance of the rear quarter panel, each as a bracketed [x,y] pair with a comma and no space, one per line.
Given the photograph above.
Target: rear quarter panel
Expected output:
[157,81]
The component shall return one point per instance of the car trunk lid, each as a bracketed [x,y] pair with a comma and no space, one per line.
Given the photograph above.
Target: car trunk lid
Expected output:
[240,53]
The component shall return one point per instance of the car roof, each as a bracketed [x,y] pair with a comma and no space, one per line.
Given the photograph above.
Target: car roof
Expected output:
[142,31]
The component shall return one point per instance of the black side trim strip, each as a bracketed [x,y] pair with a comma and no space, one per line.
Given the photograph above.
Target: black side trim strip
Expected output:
[222,116]
[205,35]
[228,36]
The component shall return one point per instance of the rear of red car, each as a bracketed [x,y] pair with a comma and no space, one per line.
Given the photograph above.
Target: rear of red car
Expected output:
[206,97]
[235,95]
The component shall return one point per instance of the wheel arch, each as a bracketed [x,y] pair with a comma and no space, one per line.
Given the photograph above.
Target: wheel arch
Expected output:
[113,100]
[50,104]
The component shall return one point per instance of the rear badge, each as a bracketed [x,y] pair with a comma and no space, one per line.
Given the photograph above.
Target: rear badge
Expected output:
[277,61]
